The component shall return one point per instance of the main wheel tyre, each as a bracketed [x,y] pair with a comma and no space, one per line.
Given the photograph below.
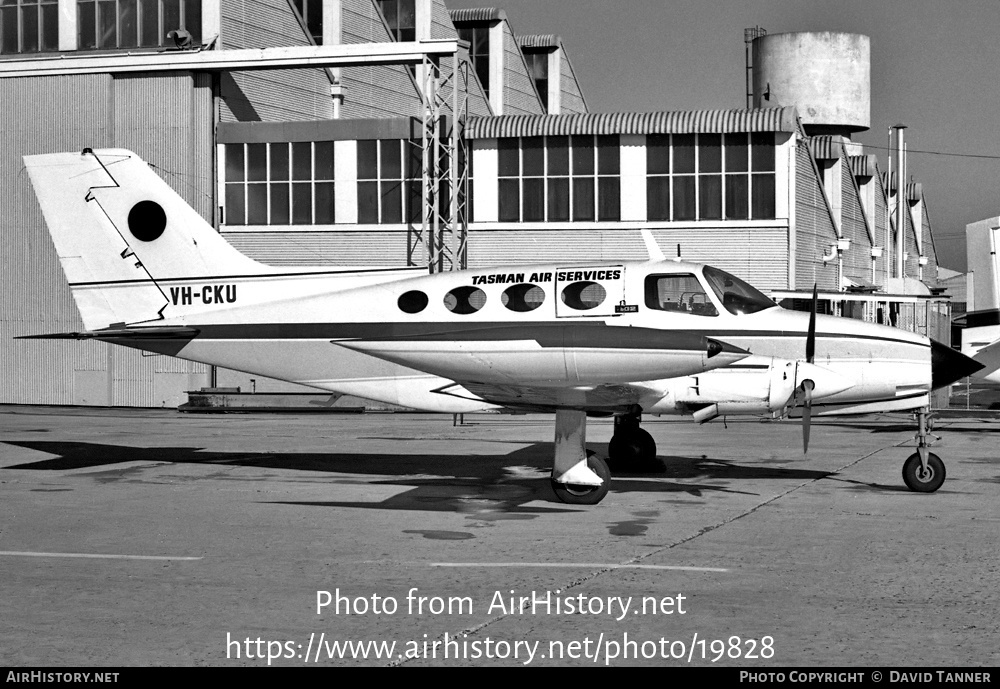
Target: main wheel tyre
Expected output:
[573,494]
[633,451]
[922,481]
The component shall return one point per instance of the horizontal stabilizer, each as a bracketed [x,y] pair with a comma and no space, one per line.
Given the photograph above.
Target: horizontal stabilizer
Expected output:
[150,333]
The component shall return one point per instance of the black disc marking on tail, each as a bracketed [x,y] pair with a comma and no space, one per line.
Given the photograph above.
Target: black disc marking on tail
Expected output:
[147,221]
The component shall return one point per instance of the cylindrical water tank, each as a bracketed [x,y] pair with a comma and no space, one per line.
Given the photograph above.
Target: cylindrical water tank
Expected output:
[826,76]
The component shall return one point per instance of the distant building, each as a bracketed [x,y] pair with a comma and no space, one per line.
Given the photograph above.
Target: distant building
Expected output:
[327,166]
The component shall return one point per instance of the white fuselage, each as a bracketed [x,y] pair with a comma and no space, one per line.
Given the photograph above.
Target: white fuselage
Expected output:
[406,339]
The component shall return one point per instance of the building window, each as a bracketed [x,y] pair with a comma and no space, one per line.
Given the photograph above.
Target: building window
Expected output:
[311,12]
[538,69]
[389,176]
[478,37]
[560,179]
[28,26]
[107,24]
[401,18]
[280,183]
[710,176]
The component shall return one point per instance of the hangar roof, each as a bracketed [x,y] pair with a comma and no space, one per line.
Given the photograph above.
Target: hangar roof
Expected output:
[684,122]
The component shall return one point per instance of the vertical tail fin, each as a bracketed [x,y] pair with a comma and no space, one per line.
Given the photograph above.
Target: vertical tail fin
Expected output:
[118,229]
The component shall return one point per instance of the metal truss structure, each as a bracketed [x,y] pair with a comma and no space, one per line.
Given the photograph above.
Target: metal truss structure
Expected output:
[441,238]
[444,229]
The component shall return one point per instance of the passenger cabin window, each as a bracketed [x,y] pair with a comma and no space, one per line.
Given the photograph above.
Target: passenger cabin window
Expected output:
[523,298]
[465,300]
[584,295]
[736,296]
[413,301]
[678,293]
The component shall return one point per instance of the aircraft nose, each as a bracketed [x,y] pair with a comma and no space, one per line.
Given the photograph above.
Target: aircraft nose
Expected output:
[948,365]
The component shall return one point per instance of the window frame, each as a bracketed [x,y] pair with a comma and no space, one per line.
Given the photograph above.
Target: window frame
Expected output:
[756,201]
[478,36]
[653,302]
[245,189]
[308,15]
[44,25]
[409,182]
[399,33]
[89,23]
[592,178]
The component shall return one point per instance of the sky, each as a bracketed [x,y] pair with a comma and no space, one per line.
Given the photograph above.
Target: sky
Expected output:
[935,67]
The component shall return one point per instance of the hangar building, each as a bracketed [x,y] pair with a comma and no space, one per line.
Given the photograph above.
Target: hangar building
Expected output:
[405,132]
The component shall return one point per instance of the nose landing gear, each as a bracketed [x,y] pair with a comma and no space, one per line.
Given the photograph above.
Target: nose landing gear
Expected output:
[923,471]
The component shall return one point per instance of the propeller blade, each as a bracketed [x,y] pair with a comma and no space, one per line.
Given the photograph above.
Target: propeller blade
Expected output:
[811,336]
[807,390]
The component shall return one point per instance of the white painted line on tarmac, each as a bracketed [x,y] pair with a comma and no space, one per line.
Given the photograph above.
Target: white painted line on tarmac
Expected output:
[576,565]
[97,556]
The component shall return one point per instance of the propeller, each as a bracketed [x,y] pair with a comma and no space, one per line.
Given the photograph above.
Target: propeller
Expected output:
[808,385]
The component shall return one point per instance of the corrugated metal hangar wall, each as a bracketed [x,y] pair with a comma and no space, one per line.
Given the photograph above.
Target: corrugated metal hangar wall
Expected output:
[164,118]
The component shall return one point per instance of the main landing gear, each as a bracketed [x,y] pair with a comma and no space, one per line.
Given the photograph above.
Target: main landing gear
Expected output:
[632,450]
[579,477]
[923,471]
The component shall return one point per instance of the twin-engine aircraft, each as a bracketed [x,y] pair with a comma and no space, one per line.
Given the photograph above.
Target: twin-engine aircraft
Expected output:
[593,338]
[981,332]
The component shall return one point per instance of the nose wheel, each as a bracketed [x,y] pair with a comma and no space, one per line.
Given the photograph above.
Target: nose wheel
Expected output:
[923,479]
[923,471]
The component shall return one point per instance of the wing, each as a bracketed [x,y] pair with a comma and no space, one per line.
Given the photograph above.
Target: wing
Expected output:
[556,354]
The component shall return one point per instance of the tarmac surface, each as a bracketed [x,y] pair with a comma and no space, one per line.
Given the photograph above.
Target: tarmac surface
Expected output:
[158,538]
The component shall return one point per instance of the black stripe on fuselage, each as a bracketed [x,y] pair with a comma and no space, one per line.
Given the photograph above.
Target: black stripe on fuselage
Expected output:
[575,334]
[599,331]
[771,334]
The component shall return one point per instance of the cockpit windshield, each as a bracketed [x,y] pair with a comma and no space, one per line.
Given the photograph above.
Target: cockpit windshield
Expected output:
[736,296]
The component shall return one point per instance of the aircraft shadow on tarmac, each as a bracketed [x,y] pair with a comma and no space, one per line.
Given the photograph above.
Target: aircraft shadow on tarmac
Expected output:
[439,482]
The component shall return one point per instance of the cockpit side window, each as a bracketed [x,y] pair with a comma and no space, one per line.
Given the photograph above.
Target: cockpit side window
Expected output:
[736,296]
[680,293]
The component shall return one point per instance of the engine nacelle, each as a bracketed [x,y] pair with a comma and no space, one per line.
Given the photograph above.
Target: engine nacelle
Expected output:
[756,386]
